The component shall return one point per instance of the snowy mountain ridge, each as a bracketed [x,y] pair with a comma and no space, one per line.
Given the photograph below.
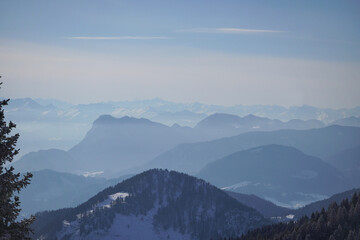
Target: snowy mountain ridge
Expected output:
[122,226]
[163,204]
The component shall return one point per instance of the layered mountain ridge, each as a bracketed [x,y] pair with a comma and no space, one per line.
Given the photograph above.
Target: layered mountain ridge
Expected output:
[126,142]
[280,173]
[225,125]
[320,142]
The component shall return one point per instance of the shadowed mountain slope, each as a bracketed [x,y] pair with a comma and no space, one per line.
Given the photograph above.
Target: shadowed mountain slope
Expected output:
[280,173]
[322,142]
[156,204]
[224,125]
[266,208]
[348,162]
[125,142]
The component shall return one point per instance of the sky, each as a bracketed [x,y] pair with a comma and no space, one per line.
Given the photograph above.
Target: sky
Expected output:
[212,51]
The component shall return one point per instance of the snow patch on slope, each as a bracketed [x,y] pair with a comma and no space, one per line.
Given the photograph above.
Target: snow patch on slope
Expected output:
[92,174]
[238,185]
[111,198]
[245,184]
[136,227]
[130,227]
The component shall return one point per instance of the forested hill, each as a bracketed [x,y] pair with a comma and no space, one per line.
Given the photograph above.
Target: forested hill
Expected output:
[156,204]
[339,222]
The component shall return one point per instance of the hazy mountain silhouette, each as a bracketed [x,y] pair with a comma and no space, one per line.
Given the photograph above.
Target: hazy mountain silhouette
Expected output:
[117,144]
[348,162]
[349,121]
[156,204]
[224,125]
[183,118]
[282,174]
[322,142]
[121,143]
[55,159]
[160,110]
[58,124]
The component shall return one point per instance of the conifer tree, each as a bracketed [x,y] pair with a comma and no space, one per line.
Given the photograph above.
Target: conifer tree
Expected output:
[10,184]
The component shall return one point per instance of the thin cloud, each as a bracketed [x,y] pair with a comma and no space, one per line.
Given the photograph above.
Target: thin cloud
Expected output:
[229,30]
[118,38]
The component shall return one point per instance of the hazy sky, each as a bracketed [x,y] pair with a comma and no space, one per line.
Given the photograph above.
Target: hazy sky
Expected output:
[213,51]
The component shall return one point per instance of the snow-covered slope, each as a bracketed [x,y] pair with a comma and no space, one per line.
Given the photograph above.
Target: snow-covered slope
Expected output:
[156,204]
[122,227]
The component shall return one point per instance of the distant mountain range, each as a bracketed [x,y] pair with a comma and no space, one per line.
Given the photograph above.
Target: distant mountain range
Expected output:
[116,147]
[349,121]
[50,123]
[220,125]
[120,146]
[283,174]
[192,157]
[154,108]
[289,162]
[127,142]
[122,143]
[156,204]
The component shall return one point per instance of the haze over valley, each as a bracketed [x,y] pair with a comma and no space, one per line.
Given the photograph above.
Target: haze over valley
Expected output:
[236,153]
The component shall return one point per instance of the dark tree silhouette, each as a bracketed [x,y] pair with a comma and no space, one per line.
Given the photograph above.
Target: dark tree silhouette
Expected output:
[10,184]
[339,222]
